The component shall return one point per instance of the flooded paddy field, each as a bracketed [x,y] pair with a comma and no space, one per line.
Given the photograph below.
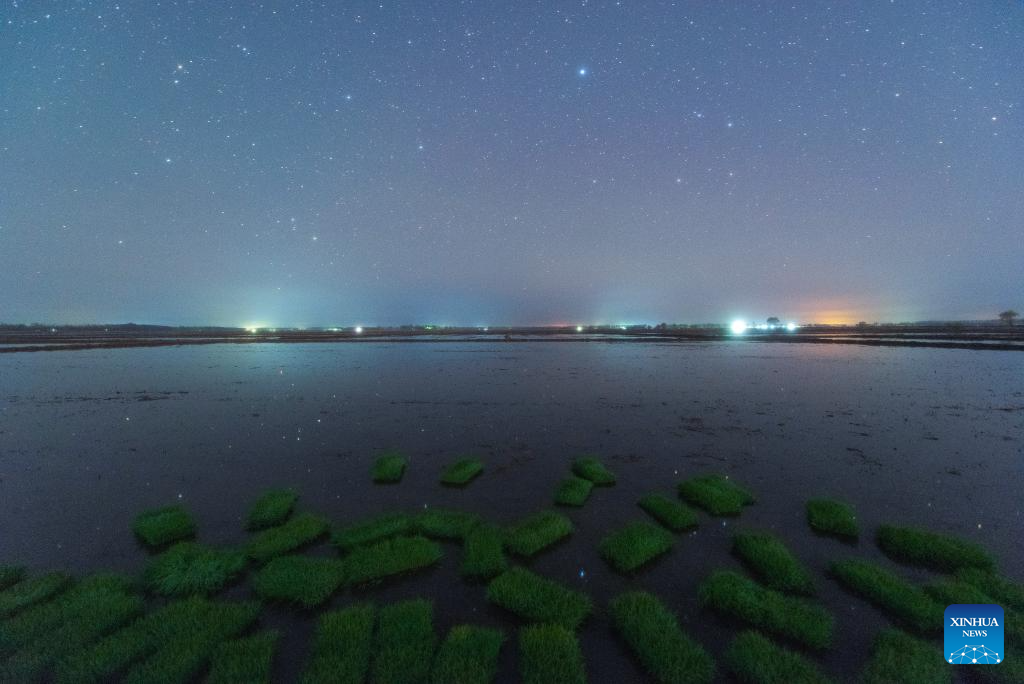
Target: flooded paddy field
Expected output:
[924,437]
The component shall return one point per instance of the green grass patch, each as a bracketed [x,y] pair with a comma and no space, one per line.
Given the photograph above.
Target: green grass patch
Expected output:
[39,636]
[892,594]
[829,516]
[31,591]
[371,530]
[734,595]
[549,654]
[405,643]
[301,530]
[536,532]
[672,514]
[389,468]
[462,472]
[179,660]
[35,621]
[168,634]
[932,550]
[754,658]
[271,509]
[10,574]
[390,557]
[653,634]
[1006,592]
[483,553]
[190,568]
[342,646]
[593,470]
[162,526]
[306,581]
[635,544]
[716,494]
[772,562]
[468,655]
[573,491]
[898,657]
[538,599]
[245,660]
[442,523]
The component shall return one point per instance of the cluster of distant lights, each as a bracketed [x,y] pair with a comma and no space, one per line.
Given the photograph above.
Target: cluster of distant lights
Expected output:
[739,326]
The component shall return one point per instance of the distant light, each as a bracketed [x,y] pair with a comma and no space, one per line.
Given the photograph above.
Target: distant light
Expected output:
[486,328]
[251,330]
[622,327]
[359,329]
[582,71]
[579,328]
[738,327]
[791,326]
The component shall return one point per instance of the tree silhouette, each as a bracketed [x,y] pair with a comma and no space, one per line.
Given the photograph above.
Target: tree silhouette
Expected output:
[1008,316]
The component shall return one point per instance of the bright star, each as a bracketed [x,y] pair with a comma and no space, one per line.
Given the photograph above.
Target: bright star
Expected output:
[582,71]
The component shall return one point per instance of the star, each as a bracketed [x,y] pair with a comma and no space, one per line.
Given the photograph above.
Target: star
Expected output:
[582,71]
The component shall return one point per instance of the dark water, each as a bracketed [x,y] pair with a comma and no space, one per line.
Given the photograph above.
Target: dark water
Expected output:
[930,437]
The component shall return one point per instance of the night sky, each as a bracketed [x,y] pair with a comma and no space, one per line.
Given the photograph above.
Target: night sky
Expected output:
[334,163]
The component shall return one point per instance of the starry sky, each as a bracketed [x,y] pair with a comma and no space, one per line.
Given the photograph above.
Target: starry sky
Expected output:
[484,163]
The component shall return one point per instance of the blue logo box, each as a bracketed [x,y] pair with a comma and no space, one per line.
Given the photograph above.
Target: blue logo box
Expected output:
[974,634]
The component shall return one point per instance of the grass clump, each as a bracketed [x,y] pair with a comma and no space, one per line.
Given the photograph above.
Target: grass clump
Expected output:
[898,657]
[182,658]
[341,647]
[468,655]
[483,553]
[931,549]
[190,568]
[634,545]
[45,633]
[302,580]
[537,599]
[405,643]
[829,516]
[653,634]
[754,658]
[181,635]
[371,530]
[716,494]
[733,594]
[35,621]
[303,529]
[550,653]
[536,532]
[389,468]
[1006,592]
[593,470]
[891,593]
[573,491]
[442,523]
[390,557]
[244,660]
[672,514]
[31,591]
[271,509]
[10,574]
[462,472]
[772,562]
[162,526]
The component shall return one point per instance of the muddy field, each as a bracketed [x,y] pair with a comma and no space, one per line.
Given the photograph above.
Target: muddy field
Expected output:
[928,437]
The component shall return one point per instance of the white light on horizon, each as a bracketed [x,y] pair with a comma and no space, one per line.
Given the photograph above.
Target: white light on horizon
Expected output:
[738,327]
[359,329]
[579,328]
[791,326]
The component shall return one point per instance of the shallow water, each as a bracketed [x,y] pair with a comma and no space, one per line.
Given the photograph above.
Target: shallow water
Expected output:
[930,437]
